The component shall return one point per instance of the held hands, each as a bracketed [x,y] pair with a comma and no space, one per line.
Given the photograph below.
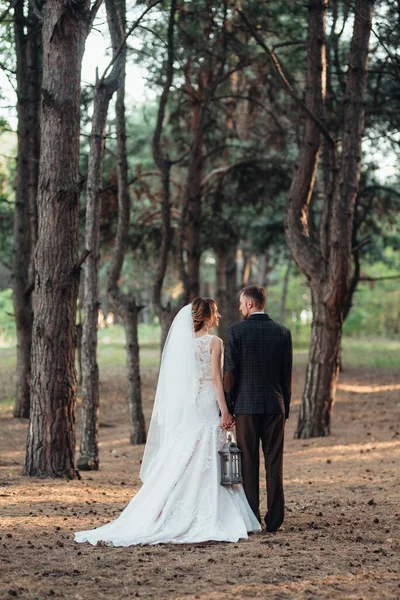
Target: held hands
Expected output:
[227,421]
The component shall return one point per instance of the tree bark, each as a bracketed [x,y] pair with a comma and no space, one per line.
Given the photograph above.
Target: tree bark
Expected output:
[326,260]
[191,210]
[125,306]
[166,313]
[103,92]
[88,452]
[78,342]
[221,292]
[285,288]
[27,31]
[51,438]
[226,295]
[232,309]
[35,65]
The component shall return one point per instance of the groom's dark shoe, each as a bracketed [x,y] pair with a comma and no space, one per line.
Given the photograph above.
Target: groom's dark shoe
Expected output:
[271,527]
[275,515]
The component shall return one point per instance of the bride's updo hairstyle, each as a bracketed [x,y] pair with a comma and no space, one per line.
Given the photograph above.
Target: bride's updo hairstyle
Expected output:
[204,312]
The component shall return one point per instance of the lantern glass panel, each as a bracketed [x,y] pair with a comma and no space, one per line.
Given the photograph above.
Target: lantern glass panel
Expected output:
[226,466]
[235,466]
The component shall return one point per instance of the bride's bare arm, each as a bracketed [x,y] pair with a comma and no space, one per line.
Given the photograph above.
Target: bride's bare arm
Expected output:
[227,420]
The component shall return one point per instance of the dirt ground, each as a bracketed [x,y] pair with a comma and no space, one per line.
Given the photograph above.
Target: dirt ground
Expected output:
[341,535]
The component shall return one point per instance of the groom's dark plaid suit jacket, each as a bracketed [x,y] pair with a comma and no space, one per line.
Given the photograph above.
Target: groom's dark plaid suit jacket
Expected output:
[258,367]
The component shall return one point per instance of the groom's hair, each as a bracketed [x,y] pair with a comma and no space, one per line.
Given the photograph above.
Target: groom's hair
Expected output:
[256,293]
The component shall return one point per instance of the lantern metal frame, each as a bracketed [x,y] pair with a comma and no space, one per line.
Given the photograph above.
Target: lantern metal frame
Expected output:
[231,463]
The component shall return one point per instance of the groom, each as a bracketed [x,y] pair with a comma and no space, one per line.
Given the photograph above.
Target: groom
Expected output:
[257,384]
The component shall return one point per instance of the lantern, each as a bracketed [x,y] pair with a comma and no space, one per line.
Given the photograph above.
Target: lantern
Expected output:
[231,463]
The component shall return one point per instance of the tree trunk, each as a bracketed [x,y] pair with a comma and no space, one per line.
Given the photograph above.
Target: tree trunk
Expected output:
[88,452]
[104,90]
[51,437]
[246,269]
[232,313]
[29,57]
[239,268]
[78,342]
[227,297]
[327,263]
[285,293]
[35,66]
[138,428]
[322,368]
[191,210]
[165,314]
[262,268]
[221,295]
[123,305]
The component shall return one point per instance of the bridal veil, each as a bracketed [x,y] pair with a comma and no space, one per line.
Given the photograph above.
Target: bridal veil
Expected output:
[178,382]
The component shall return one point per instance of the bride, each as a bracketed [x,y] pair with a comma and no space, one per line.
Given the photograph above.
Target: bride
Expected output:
[181,499]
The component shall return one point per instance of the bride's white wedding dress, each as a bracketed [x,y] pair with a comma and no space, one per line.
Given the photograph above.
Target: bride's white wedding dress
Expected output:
[182,500]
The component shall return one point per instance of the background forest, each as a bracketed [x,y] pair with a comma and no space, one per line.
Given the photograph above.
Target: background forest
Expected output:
[156,150]
[215,145]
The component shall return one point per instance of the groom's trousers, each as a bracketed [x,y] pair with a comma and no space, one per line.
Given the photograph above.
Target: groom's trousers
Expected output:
[250,429]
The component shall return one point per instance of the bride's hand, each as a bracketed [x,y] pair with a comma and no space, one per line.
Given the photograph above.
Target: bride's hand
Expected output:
[227,421]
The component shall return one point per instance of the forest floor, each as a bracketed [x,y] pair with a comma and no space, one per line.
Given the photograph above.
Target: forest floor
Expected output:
[341,535]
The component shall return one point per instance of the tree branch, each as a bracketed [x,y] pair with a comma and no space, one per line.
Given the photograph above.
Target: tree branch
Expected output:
[226,168]
[388,277]
[36,10]
[284,81]
[127,34]
[382,188]
[158,155]
[81,260]
[284,44]
[93,13]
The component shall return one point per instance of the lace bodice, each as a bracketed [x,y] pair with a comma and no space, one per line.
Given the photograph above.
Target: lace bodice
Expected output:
[203,349]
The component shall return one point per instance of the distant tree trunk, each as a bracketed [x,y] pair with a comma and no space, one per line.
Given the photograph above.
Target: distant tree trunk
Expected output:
[27,30]
[51,438]
[103,92]
[265,268]
[285,288]
[193,203]
[246,269]
[222,294]
[239,268]
[35,65]
[262,267]
[232,312]
[191,211]
[327,265]
[166,313]
[226,294]
[125,306]
[78,342]
[88,452]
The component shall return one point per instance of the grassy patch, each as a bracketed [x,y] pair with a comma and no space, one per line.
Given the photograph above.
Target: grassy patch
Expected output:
[7,358]
[112,347]
[371,352]
[7,403]
[357,352]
